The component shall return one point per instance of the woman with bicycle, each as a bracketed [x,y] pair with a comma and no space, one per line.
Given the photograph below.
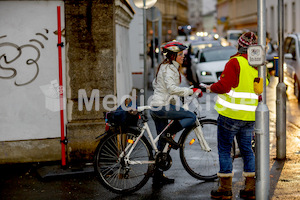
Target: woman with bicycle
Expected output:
[166,91]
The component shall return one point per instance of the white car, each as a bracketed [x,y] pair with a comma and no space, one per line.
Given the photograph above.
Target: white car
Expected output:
[233,36]
[292,62]
[209,63]
[198,45]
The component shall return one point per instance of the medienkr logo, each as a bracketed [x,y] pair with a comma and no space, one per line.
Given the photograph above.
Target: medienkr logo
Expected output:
[52,96]
[111,102]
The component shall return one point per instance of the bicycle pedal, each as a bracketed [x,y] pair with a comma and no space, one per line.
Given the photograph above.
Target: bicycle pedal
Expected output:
[172,143]
[175,146]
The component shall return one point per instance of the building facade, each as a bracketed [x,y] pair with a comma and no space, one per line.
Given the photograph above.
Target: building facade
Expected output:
[95,64]
[242,15]
[291,14]
[209,15]
[174,13]
[195,13]
[97,57]
[236,14]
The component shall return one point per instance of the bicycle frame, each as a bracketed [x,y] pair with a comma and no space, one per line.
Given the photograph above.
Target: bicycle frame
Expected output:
[198,132]
[126,158]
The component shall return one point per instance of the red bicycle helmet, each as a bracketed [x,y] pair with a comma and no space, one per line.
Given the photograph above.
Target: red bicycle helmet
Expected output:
[173,46]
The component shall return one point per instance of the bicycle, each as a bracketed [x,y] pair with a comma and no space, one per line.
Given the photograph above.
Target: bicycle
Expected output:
[125,157]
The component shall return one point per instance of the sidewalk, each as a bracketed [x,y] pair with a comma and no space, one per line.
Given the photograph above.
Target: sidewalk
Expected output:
[284,175]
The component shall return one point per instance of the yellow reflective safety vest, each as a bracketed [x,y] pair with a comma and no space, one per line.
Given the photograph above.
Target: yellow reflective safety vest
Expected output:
[241,102]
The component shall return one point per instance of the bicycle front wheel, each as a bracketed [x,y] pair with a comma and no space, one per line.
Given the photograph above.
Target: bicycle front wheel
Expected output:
[117,172]
[197,162]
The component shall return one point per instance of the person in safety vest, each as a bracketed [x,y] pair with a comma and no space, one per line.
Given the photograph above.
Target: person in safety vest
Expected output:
[166,90]
[236,104]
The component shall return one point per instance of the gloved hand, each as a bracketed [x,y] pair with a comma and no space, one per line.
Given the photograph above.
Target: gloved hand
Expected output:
[198,91]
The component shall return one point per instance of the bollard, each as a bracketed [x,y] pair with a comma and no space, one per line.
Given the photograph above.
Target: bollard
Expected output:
[262,152]
[276,66]
[281,121]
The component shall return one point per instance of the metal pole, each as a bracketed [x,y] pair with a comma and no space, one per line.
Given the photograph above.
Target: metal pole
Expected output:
[262,120]
[153,37]
[61,94]
[145,55]
[280,92]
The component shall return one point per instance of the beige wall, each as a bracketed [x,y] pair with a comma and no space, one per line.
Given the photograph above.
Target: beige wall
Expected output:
[174,13]
[241,14]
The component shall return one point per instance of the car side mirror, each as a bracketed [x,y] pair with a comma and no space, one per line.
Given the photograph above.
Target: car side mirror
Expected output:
[195,60]
[288,56]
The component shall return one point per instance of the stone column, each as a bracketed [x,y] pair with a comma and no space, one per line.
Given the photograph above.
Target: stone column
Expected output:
[90,43]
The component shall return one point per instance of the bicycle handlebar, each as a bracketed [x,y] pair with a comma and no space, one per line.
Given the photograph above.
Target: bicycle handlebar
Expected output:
[142,108]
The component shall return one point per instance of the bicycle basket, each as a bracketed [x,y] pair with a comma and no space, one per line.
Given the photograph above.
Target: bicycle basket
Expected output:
[121,118]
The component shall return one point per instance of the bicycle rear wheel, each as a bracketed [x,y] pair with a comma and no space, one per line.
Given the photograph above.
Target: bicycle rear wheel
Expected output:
[198,163]
[114,171]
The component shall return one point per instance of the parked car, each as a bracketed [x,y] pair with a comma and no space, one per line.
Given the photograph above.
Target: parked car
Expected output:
[198,45]
[232,37]
[194,47]
[292,61]
[209,63]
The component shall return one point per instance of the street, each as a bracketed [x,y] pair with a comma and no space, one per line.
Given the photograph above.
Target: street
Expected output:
[22,181]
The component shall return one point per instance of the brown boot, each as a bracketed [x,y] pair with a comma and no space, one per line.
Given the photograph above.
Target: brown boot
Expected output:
[249,191]
[225,189]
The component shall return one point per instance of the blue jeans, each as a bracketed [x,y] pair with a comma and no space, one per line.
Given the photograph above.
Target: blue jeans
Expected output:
[160,117]
[243,130]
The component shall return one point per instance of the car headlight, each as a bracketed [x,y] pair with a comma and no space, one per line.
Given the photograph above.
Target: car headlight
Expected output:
[205,73]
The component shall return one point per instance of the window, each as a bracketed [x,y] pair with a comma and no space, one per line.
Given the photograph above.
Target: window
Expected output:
[293,17]
[287,43]
[217,54]
[234,36]
[267,17]
[273,22]
[285,18]
[292,48]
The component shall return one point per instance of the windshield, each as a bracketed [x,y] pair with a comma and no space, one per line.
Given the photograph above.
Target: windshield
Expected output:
[216,55]
[234,36]
[196,47]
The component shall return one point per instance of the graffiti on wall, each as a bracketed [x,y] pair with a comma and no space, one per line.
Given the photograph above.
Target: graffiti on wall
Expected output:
[10,53]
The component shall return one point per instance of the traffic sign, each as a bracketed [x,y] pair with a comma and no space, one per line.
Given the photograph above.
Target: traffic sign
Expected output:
[256,55]
[153,14]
